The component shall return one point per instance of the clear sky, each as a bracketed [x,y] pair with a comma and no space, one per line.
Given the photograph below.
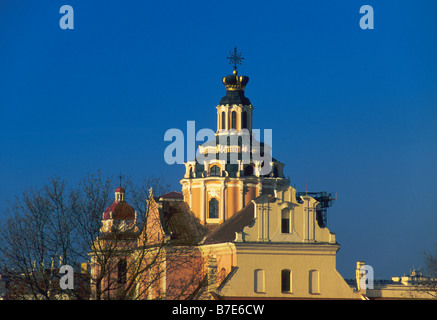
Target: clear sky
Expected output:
[352,111]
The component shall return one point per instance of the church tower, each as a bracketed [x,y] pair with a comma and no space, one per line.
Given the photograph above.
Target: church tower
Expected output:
[236,167]
[119,216]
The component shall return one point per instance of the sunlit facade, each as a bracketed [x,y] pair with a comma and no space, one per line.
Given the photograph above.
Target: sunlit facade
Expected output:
[245,233]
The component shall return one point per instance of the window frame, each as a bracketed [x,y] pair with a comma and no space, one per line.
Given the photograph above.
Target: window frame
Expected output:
[122,271]
[216,206]
[244,120]
[215,171]
[234,120]
[259,281]
[287,280]
[287,219]
[223,115]
[314,281]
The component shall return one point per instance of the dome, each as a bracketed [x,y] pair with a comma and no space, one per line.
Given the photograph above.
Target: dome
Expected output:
[235,86]
[120,189]
[119,209]
[235,82]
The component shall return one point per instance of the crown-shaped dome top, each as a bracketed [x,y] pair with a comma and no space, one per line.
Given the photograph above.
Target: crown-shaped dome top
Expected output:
[235,82]
[235,86]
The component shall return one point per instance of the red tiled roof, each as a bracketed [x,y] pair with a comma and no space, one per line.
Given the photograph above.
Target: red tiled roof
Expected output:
[120,211]
[172,195]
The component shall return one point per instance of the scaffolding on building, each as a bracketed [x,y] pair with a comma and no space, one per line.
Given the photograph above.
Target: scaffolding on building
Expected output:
[325,200]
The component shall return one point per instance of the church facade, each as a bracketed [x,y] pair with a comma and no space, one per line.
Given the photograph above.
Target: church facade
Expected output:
[243,231]
[235,168]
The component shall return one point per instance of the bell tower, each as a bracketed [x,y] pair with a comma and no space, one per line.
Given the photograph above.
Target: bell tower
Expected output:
[228,173]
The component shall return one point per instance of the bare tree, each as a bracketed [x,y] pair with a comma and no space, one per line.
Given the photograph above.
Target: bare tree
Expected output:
[156,263]
[422,284]
[60,225]
[45,229]
[139,193]
[428,284]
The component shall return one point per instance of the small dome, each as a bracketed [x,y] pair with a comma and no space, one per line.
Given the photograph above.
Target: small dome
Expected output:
[120,189]
[235,86]
[234,82]
[119,209]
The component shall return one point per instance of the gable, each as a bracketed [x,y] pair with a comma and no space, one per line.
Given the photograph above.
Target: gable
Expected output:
[270,214]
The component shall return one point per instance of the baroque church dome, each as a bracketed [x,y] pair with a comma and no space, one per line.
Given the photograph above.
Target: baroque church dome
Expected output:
[119,209]
[235,86]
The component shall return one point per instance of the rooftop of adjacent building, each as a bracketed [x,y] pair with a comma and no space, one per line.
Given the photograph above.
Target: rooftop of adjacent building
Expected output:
[414,278]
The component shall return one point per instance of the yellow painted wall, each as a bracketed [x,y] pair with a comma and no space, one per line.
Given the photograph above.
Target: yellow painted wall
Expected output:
[272,259]
[307,247]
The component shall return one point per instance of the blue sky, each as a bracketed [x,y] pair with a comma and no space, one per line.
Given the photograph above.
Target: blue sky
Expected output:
[352,111]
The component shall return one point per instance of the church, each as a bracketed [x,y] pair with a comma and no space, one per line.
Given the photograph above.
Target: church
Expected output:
[238,230]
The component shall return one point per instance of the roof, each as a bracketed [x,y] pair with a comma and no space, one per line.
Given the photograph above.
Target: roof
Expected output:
[120,189]
[226,231]
[120,211]
[234,97]
[172,195]
[180,223]
[235,90]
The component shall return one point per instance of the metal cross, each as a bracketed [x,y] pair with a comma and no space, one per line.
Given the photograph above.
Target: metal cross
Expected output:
[121,178]
[235,58]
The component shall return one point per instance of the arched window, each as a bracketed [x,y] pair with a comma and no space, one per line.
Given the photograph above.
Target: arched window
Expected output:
[248,171]
[223,120]
[285,221]
[215,171]
[121,270]
[234,120]
[259,280]
[213,209]
[285,281]
[314,284]
[244,120]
